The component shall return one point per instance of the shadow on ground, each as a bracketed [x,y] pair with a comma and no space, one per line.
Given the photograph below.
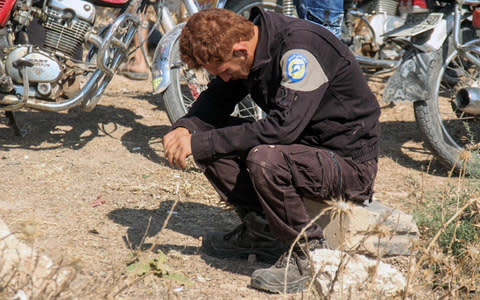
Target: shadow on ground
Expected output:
[395,135]
[76,128]
[188,218]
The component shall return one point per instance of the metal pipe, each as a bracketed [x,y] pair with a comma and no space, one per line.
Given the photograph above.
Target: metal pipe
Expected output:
[103,56]
[468,100]
[69,103]
[167,20]
[221,3]
[380,63]
[191,6]
[456,26]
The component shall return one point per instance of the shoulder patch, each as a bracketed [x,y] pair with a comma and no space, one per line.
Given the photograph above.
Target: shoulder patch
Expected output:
[301,71]
[296,66]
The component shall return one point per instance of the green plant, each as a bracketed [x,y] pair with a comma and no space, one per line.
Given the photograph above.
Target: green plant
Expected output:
[450,223]
[431,217]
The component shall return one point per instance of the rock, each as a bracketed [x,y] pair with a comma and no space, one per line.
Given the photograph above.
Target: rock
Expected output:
[35,272]
[371,228]
[361,277]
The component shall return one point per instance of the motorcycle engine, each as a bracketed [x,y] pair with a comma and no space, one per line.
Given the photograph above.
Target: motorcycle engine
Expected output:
[68,21]
[65,24]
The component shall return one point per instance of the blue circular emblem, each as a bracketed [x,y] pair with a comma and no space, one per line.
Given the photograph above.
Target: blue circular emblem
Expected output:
[296,67]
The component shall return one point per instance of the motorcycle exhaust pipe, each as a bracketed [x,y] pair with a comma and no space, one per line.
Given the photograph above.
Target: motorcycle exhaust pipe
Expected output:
[468,100]
[378,63]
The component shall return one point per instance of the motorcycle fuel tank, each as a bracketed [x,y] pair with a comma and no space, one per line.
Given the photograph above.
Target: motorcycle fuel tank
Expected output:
[5,9]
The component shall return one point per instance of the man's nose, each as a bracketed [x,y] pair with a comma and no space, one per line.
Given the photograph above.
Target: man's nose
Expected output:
[225,77]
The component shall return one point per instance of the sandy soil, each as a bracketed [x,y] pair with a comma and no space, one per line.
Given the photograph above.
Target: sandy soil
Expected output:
[69,162]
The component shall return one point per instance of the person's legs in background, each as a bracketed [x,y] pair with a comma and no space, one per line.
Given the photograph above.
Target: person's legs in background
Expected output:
[328,13]
[137,68]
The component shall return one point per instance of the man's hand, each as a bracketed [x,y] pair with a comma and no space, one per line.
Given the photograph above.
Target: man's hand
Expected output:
[177,146]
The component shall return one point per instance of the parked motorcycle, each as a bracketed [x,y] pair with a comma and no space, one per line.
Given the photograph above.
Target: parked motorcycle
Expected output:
[439,73]
[364,25]
[363,28]
[179,85]
[50,76]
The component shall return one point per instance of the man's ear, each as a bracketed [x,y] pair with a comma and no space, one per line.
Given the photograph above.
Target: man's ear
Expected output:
[240,50]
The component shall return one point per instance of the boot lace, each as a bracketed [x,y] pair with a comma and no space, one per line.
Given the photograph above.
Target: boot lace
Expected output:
[295,260]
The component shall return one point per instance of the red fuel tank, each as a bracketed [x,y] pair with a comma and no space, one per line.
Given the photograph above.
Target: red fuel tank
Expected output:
[5,9]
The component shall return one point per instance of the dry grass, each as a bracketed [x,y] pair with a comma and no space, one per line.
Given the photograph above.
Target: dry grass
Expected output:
[438,272]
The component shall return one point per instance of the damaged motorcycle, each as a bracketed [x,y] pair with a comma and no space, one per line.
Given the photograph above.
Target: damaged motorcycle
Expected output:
[440,75]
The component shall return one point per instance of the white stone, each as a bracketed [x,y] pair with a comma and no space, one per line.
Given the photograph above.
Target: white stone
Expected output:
[28,266]
[361,278]
[372,229]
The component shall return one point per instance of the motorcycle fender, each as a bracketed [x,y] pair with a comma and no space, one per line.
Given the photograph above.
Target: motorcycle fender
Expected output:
[162,59]
[410,82]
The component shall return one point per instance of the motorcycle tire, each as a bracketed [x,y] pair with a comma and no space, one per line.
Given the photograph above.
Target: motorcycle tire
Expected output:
[186,84]
[451,134]
[184,88]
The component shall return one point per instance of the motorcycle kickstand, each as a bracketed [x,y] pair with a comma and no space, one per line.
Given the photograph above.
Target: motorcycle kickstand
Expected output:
[13,122]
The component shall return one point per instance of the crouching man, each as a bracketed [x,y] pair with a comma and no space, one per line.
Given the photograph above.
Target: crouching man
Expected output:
[318,140]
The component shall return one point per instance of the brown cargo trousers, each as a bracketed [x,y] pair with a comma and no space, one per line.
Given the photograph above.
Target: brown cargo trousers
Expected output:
[273,180]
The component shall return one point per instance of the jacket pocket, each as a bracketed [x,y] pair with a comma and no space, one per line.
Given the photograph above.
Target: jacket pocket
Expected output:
[307,173]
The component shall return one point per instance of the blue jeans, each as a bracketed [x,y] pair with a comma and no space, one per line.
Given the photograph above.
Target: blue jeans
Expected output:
[328,13]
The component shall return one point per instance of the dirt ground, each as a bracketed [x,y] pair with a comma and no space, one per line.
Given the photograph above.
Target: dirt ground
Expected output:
[97,190]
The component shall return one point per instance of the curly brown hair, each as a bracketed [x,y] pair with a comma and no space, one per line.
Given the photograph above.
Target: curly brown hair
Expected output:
[209,36]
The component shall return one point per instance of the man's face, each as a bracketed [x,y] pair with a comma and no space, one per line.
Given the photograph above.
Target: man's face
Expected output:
[232,69]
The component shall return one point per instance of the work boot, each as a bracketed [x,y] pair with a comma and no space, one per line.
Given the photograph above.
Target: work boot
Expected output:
[253,236]
[299,272]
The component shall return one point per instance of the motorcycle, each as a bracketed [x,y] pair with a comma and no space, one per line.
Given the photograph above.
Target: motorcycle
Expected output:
[439,74]
[363,28]
[51,76]
[181,86]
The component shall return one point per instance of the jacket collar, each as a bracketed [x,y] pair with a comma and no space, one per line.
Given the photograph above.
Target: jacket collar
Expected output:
[262,51]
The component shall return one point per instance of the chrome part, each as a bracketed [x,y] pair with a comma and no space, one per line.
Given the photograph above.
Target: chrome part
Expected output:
[468,100]
[8,99]
[382,23]
[44,69]
[15,55]
[288,8]
[161,59]
[113,50]
[44,89]
[166,18]
[66,25]
[221,3]
[191,6]
[82,9]
[387,6]
[379,63]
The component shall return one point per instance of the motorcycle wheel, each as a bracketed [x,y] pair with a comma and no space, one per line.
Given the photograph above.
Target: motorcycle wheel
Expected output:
[451,134]
[184,88]
[186,84]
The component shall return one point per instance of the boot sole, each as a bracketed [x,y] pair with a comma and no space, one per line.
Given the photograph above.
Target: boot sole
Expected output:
[291,287]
